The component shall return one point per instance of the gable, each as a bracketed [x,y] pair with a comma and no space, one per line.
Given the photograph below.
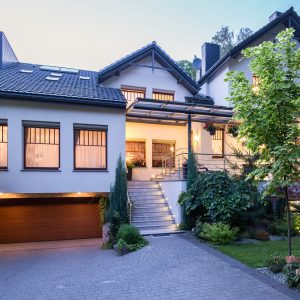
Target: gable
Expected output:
[156,55]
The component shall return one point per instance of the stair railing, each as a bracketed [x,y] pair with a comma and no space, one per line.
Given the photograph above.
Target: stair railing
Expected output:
[129,205]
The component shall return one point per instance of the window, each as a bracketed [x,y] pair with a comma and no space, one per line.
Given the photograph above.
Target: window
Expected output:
[136,153]
[131,93]
[218,143]
[163,95]
[41,146]
[255,83]
[90,147]
[162,152]
[3,145]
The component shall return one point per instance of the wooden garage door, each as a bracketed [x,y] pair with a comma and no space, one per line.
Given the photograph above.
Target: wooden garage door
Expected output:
[50,221]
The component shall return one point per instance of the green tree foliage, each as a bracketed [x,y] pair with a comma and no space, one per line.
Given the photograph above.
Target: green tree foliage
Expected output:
[192,173]
[270,113]
[219,197]
[226,38]
[118,194]
[187,66]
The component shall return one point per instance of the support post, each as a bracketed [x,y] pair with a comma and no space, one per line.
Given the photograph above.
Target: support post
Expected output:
[189,133]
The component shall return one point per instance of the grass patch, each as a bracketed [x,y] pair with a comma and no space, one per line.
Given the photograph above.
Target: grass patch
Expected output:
[254,255]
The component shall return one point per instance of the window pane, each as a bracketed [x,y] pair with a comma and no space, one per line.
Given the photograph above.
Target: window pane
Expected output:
[136,153]
[3,146]
[161,152]
[41,147]
[163,96]
[90,153]
[218,143]
[132,94]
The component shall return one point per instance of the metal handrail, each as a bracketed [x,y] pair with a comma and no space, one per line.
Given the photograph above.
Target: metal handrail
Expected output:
[130,208]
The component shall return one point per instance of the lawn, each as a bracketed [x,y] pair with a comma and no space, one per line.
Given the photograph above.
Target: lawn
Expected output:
[254,255]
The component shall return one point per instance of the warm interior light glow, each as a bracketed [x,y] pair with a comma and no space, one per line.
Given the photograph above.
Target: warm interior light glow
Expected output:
[196,138]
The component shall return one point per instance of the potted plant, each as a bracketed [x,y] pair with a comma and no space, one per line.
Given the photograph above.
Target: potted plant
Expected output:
[210,127]
[233,130]
[129,166]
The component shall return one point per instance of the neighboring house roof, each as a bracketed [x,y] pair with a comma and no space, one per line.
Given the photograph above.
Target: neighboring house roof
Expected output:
[200,99]
[289,18]
[7,55]
[17,81]
[160,56]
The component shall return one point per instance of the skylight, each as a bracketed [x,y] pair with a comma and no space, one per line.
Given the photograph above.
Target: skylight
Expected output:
[69,70]
[84,77]
[26,71]
[52,78]
[56,74]
[49,68]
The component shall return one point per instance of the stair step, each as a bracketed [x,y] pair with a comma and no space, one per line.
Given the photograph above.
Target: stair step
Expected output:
[149,197]
[149,213]
[149,227]
[139,218]
[152,223]
[155,192]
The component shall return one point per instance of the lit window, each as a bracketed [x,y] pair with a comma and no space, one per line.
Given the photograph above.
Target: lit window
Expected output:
[255,83]
[41,147]
[162,153]
[3,145]
[131,93]
[163,95]
[136,153]
[218,143]
[90,149]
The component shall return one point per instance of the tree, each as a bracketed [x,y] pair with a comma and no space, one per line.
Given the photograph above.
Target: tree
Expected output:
[243,34]
[118,194]
[270,113]
[187,66]
[226,38]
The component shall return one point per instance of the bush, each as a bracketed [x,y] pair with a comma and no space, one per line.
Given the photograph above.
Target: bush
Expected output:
[220,197]
[129,234]
[275,263]
[279,226]
[262,235]
[292,273]
[114,227]
[218,233]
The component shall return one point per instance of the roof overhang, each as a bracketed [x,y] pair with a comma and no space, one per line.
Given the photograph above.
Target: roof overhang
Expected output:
[175,112]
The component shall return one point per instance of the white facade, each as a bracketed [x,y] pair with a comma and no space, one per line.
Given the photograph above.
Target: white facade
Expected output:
[147,78]
[66,179]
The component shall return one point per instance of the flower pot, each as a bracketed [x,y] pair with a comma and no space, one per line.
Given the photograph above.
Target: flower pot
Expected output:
[212,131]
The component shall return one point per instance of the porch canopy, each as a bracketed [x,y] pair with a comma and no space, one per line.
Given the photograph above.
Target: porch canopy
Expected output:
[176,113]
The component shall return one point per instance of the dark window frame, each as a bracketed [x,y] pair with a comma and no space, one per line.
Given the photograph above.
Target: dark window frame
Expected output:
[3,123]
[223,143]
[90,128]
[44,125]
[133,89]
[171,144]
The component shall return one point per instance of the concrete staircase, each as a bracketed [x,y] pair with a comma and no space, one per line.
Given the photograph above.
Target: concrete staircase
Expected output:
[150,211]
[169,175]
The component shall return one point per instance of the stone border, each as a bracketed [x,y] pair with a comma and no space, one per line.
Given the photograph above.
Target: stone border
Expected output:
[293,294]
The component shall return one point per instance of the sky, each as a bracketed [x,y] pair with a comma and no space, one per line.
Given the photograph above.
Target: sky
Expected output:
[90,34]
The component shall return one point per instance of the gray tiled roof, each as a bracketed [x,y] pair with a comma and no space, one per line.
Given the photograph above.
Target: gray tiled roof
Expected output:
[68,88]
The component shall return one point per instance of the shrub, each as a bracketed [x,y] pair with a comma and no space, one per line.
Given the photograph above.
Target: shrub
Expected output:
[220,197]
[102,209]
[218,233]
[262,235]
[279,226]
[129,234]
[118,194]
[275,263]
[114,227]
[292,273]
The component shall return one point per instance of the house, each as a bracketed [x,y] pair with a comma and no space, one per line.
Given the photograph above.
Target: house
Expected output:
[212,82]
[62,130]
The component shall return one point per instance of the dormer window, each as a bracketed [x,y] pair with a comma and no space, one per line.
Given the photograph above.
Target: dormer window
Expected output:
[163,95]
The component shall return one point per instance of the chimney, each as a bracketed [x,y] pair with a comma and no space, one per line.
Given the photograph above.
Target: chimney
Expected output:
[210,55]
[197,64]
[274,16]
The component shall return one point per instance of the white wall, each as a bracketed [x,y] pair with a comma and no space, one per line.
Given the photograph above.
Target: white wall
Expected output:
[172,189]
[144,77]
[16,180]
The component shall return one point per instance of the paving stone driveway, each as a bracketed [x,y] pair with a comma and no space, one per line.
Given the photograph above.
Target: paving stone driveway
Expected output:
[169,268]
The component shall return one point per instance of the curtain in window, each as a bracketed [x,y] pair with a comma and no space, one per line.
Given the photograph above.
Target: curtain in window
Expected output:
[135,153]
[163,96]
[3,146]
[218,143]
[90,149]
[41,147]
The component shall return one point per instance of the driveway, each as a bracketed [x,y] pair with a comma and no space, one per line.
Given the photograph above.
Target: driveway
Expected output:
[175,267]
